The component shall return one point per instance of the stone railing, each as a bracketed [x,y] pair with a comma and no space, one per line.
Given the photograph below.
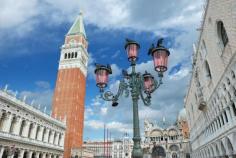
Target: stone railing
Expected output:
[25,140]
[36,112]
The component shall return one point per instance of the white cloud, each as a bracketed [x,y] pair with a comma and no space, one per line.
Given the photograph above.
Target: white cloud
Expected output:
[180,74]
[116,54]
[116,71]
[118,126]
[97,101]
[113,126]
[112,14]
[104,110]
[42,84]
[88,113]
[40,97]
[95,124]
[18,16]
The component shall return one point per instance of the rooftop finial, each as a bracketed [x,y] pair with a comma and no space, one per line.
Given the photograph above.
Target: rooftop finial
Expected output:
[32,102]
[164,119]
[45,108]
[15,95]
[6,86]
[24,98]
[78,26]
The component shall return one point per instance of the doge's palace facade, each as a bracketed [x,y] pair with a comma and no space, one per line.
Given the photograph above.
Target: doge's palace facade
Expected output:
[26,132]
[210,101]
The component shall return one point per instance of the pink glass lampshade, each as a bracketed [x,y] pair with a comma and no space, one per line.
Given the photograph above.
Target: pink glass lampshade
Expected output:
[132,49]
[102,73]
[148,82]
[160,59]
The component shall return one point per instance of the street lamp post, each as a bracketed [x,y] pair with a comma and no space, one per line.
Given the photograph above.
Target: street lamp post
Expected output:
[135,83]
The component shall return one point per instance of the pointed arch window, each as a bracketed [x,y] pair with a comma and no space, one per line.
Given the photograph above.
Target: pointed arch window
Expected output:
[222,34]
[75,54]
[203,49]
[72,55]
[208,71]
[68,55]
[65,56]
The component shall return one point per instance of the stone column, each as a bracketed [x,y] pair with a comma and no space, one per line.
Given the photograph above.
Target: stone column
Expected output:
[61,142]
[46,135]
[16,129]
[29,154]
[224,117]
[214,127]
[10,156]
[21,153]
[51,137]
[49,155]
[7,120]
[40,133]
[33,131]
[228,114]
[25,131]
[37,155]
[56,138]
[231,110]
[1,151]
[1,113]
[220,121]
[217,124]
[43,155]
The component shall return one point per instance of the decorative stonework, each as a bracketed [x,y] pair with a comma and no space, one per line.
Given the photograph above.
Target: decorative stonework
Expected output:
[23,129]
[213,129]
[168,141]
[80,61]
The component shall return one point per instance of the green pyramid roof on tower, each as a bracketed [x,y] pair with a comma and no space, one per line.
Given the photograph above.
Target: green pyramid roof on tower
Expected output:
[78,26]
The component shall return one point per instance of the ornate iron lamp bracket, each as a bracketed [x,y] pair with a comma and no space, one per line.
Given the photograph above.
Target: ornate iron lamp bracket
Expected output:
[123,89]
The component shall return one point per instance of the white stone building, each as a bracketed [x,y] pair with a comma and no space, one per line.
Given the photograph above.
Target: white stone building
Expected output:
[210,101]
[127,146]
[117,148]
[99,148]
[81,153]
[166,141]
[26,132]
[122,148]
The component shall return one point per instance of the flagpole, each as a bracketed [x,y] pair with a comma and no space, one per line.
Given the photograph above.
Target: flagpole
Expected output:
[107,142]
[104,145]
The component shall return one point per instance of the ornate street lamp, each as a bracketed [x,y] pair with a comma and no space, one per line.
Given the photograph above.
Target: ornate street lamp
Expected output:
[135,83]
[102,73]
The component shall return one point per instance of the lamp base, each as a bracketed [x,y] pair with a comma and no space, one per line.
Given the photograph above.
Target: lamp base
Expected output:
[137,153]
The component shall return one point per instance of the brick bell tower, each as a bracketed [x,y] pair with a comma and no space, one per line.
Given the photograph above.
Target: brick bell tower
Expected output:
[69,95]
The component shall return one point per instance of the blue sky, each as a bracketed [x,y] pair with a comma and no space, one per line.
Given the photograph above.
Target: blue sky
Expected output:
[32,32]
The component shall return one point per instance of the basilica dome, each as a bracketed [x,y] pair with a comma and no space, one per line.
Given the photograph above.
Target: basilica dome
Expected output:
[182,115]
